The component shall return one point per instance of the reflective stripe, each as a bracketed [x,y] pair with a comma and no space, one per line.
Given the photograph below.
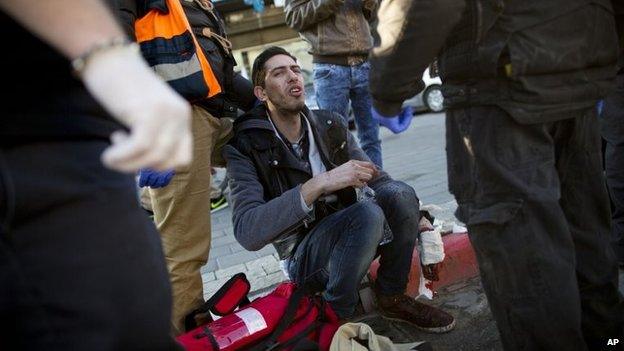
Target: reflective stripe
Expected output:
[173,71]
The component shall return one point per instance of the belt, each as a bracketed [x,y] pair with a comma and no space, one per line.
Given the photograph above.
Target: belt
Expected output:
[341,60]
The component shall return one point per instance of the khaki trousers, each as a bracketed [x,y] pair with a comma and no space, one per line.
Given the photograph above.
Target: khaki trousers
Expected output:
[182,214]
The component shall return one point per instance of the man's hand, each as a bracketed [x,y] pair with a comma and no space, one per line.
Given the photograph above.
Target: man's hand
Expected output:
[354,173]
[396,124]
[154,179]
[158,118]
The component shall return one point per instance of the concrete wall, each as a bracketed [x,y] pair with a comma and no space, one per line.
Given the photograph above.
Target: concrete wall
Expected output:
[250,33]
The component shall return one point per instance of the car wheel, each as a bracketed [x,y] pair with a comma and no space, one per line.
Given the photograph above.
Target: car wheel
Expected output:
[433,98]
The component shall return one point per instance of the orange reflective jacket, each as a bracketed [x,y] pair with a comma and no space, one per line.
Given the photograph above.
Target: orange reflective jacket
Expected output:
[170,47]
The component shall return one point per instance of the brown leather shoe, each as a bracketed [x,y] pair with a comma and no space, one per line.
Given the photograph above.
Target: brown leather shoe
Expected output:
[406,309]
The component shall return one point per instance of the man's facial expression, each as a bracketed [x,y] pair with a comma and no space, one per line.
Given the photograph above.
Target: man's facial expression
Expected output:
[283,84]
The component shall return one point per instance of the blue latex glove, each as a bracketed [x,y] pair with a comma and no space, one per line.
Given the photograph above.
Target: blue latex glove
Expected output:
[396,124]
[154,179]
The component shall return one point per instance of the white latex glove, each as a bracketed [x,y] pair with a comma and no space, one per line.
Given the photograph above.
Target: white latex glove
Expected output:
[158,118]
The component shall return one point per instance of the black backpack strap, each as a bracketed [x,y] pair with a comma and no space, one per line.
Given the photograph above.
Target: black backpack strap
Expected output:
[208,334]
[209,306]
[271,341]
[299,341]
[305,345]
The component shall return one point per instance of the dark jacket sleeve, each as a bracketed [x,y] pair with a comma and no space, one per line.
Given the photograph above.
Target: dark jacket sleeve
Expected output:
[408,36]
[127,13]
[243,91]
[256,221]
[300,14]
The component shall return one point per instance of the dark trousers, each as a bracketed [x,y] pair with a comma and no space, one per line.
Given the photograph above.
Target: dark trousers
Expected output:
[336,254]
[613,133]
[534,199]
[81,267]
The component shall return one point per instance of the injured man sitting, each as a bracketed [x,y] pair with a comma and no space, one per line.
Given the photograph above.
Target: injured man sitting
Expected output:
[299,181]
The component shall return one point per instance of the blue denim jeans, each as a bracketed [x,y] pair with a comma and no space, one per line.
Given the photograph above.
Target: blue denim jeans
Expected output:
[335,85]
[336,254]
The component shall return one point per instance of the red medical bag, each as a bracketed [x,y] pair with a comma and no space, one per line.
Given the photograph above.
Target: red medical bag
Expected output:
[285,319]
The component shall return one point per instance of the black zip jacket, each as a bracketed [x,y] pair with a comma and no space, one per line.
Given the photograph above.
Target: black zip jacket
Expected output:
[266,178]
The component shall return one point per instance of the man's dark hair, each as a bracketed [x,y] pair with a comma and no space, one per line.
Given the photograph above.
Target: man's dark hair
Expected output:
[258,72]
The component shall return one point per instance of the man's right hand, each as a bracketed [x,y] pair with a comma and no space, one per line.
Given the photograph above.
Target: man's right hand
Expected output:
[158,118]
[354,173]
[397,124]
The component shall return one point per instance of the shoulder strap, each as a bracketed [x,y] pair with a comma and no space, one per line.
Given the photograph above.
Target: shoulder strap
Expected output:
[271,341]
[223,43]
[208,334]
[299,341]
[231,295]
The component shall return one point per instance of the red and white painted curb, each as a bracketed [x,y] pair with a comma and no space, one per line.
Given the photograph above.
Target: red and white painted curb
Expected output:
[459,264]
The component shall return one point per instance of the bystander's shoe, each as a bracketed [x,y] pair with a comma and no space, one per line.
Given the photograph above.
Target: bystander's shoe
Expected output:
[403,308]
[218,204]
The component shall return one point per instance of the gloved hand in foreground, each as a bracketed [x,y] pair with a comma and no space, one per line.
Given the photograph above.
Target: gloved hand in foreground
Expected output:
[158,118]
[396,124]
[154,179]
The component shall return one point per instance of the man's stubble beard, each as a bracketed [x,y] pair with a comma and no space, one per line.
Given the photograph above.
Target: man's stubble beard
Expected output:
[295,109]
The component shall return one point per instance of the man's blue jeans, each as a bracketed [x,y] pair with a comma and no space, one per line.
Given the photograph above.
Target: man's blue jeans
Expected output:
[335,85]
[336,254]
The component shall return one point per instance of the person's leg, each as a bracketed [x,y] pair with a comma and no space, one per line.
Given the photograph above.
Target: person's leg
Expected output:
[361,101]
[400,205]
[220,137]
[504,178]
[182,215]
[585,202]
[613,133]
[217,190]
[145,200]
[86,261]
[331,85]
[13,329]
[336,254]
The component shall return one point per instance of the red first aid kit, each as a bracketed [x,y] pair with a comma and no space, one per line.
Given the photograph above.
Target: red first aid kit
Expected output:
[280,320]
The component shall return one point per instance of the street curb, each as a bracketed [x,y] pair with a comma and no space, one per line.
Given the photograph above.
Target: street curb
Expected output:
[459,264]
